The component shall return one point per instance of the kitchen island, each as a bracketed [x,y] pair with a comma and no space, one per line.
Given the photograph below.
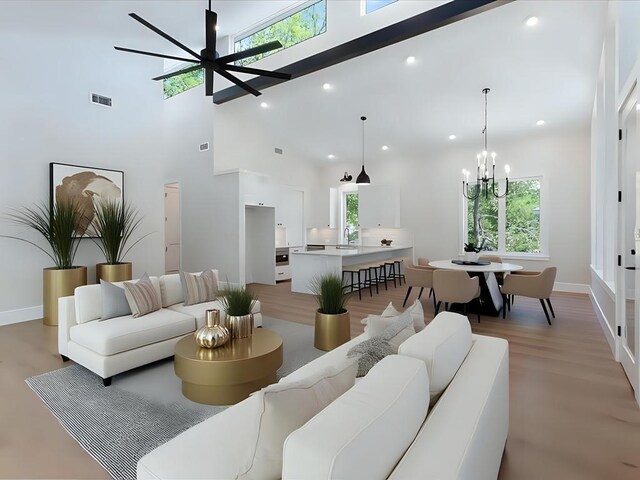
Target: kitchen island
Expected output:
[307,265]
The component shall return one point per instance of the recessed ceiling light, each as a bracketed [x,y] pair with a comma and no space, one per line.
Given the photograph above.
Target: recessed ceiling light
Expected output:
[264,104]
[384,147]
[531,21]
[540,122]
[331,155]
[411,59]
[326,86]
[452,137]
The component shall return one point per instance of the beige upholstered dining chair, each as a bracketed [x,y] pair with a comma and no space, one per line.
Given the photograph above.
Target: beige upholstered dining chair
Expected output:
[455,286]
[533,285]
[419,277]
[494,259]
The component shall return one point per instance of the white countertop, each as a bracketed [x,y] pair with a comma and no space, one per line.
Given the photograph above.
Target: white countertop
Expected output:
[348,252]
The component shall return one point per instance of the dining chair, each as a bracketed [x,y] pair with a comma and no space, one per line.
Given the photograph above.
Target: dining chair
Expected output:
[533,285]
[494,259]
[419,277]
[455,286]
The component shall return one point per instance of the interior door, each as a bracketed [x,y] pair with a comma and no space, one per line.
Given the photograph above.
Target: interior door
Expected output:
[629,221]
[172,228]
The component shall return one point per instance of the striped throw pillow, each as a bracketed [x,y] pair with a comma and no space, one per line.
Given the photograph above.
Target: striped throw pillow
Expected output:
[199,288]
[142,296]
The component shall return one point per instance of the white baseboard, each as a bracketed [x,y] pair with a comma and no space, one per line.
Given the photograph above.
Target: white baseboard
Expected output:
[609,334]
[571,287]
[20,315]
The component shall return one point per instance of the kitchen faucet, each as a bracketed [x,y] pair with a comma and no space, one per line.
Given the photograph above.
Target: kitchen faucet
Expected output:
[347,235]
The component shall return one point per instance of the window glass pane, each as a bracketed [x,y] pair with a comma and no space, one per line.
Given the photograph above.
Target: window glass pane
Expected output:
[523,216]
[296,28]
[181,83]
[351,216]
[373,5]
[482,221]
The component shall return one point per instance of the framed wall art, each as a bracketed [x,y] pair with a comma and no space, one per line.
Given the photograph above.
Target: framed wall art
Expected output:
[86,186]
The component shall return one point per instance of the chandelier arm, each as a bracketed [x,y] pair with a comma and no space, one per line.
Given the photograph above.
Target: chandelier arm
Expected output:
[506,191]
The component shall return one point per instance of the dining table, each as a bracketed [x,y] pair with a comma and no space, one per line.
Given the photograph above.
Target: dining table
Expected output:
[491,302]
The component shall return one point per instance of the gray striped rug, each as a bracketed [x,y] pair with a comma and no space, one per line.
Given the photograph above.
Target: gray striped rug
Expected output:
[119,425]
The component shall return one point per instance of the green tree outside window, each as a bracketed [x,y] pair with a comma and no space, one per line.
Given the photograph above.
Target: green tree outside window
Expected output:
[351,216]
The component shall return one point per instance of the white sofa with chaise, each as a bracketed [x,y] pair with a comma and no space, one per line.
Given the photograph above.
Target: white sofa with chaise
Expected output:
[112,346]
[375,429]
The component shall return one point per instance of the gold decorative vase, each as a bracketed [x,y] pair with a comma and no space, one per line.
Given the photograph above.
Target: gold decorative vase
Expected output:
[331,331]
[213,334]
[58,283]
[118,272]
[240,326]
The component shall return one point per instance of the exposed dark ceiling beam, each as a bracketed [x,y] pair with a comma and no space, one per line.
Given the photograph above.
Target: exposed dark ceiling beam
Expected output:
[417,25]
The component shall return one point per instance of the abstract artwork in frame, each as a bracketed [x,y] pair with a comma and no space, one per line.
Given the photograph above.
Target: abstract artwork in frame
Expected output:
[86,187]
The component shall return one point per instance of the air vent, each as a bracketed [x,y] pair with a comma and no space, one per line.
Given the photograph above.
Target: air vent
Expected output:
[203,147]
[100,100]
[278,151]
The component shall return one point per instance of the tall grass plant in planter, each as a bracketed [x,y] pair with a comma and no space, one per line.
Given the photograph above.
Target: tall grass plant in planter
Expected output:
[58,226]
[238,303]
[115,223]
[333,323]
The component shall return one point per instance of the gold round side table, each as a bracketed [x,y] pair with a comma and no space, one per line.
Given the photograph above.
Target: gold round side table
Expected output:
[228,374]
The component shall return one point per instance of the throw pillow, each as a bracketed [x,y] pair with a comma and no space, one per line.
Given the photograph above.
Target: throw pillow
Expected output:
[385,342]
[389,311]
[286,406]
[417,313]
[199,288]
[114,301]
[142,296]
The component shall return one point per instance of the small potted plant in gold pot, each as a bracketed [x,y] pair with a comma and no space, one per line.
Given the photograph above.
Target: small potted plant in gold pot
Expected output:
[238,303]
[332,327]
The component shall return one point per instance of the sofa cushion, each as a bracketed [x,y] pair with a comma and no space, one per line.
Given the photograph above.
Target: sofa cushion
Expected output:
[287,406]
[248,437]
[120,334]
[377,325]
[199,287]
[114,300]
[365,432]
[142,296]
[198,310]
[442,345]
[171,288]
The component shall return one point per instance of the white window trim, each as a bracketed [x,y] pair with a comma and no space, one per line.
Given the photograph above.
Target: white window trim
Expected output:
[343,210]
[544,240]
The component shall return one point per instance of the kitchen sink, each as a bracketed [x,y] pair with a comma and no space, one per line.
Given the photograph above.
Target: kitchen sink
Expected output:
[347,247]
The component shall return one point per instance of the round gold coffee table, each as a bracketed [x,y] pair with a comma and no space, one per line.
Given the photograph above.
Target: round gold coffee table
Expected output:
[228,374]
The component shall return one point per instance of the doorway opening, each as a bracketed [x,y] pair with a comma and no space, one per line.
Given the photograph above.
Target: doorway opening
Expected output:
[172,231]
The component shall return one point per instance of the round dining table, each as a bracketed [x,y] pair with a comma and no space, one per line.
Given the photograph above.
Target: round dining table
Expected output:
[490,297]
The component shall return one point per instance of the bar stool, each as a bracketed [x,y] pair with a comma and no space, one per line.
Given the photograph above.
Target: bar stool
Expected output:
[392,272]
[360,269]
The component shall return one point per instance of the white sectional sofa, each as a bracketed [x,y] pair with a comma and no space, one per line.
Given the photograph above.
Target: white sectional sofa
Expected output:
[112,346]
[378,428]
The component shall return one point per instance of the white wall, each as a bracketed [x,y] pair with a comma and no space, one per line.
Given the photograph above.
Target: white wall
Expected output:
[431,200]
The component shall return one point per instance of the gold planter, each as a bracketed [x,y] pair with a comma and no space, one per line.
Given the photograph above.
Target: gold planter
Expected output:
[212,335]
[59,283]
[240,326]
[113,273]
[331,330]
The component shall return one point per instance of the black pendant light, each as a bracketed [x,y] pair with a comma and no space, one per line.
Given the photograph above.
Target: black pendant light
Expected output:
[363,178]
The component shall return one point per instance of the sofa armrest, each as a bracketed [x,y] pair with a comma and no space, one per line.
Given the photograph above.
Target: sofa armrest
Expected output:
[66,320]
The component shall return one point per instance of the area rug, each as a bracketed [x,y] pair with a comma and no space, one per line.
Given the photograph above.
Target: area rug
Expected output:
[143,408]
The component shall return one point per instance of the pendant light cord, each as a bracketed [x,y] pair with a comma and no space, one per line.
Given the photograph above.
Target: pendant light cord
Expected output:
[363,119]
[484,130]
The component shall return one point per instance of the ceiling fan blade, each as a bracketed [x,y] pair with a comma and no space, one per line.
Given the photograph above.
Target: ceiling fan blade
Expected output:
[178,72]
[267,47]
[210,22]
[239,82]
[256,71]
[162,34]
[156,54]
[208,82]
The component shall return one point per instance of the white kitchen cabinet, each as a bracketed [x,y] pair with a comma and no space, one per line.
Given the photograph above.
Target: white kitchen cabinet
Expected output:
[325,208]
[258,189]
[289,204]
[379,206]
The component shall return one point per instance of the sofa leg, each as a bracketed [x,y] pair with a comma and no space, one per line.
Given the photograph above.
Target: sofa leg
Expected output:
[107,381]
[64,358]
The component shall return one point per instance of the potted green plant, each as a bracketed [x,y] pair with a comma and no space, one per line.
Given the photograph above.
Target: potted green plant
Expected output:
[471,252]
[238,303]
[114,223]
[332,326]
[58,225]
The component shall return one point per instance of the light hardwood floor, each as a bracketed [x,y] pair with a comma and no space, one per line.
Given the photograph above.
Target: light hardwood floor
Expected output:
[572,412]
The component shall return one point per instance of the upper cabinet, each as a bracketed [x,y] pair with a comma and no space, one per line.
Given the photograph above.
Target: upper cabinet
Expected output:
[289,204]
[324,208]
[379,206]
[258,189]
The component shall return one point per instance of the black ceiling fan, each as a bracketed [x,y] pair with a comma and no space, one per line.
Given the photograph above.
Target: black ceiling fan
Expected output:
[208,58]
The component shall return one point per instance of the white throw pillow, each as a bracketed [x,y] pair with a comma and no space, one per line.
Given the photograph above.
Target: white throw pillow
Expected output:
[390,311]
[286,406]
[417,312]
[376,325]
[442,345]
